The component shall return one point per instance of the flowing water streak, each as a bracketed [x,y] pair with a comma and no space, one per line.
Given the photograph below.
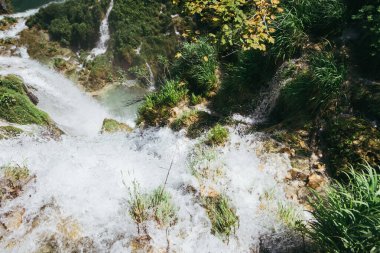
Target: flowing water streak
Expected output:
[102,44]
[73,111]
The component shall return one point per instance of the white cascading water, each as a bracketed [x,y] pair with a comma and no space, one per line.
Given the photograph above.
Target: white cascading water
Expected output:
[78,201]
[102,44]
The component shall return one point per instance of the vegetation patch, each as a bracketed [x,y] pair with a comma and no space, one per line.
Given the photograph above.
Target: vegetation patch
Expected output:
[366,99]
[223,218]
[9,132]
[13,178]
[218,135]
[113,126]
[16,107]
[347,217]
[156,206]
[7,22]
[157,107]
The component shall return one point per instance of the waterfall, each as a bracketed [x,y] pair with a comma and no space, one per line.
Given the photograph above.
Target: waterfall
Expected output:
[73,111]
[79,198]
[151,76]
[102,44]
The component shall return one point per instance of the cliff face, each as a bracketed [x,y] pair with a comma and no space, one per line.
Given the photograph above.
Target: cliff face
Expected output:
[5,6]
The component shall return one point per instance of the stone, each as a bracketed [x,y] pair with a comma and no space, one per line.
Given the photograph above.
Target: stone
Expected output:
[297,174]
[113,126]
[315,181]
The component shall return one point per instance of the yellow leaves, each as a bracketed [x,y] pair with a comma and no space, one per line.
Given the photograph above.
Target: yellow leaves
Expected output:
[205,58]
[178,55]
[240,22]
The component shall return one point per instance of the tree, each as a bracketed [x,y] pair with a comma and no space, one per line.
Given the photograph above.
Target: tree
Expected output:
[242,23]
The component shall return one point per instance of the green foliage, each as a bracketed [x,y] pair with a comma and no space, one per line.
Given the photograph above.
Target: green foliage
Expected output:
[290,36]
[157,106]
[197,64]
[73,23]
[237,23]
[157,206]
[185,120]
[101,72]
[218,135]
[16,107]
[223,218]
[347,217]
[349,141]
[313,91]
[135,23]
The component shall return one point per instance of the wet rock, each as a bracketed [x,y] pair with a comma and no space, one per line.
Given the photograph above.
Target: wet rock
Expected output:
[297,174]
[113,126]
[315,181]
[13,220]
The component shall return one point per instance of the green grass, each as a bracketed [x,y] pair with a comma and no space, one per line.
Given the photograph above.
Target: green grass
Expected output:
[197,64]
[9,132]
[157,206]
[223,218]
[217,136]
[347,217]
[157,106]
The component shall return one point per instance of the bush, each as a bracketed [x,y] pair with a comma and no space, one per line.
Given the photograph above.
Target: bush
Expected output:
[156,109]
[218,135]
[197,64]
[346,218]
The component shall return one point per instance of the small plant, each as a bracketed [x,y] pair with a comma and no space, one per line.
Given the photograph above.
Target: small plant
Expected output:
[347,216]
[218,135]
[157,206]
[288,214]
[223,218]
[13,178]
[184,120]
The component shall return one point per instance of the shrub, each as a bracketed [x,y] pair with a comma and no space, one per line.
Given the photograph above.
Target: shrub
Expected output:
[218,135]
[346,218]
[196,64]
[157,106]
[223,219]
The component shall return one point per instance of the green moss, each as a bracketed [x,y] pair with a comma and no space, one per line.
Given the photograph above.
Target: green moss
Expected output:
[112,126]
[350,141]
[218,135]
[9,132]
[16,107]
[184,120]
[223,218]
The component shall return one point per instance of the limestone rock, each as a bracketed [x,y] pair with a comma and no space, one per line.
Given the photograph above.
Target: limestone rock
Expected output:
[113,126]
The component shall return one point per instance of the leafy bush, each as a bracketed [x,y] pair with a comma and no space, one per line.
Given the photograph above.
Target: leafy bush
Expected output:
[346,218]
[196,64]
[223,218]
[218,135]
[157,106]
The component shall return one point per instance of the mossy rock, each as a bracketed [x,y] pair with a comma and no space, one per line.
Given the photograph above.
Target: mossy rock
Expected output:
[350,141]
[113,126]
[9,132]
[15,105]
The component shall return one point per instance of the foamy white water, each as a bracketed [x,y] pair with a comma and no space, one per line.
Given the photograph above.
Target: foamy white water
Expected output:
[73,111]
[102,44]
